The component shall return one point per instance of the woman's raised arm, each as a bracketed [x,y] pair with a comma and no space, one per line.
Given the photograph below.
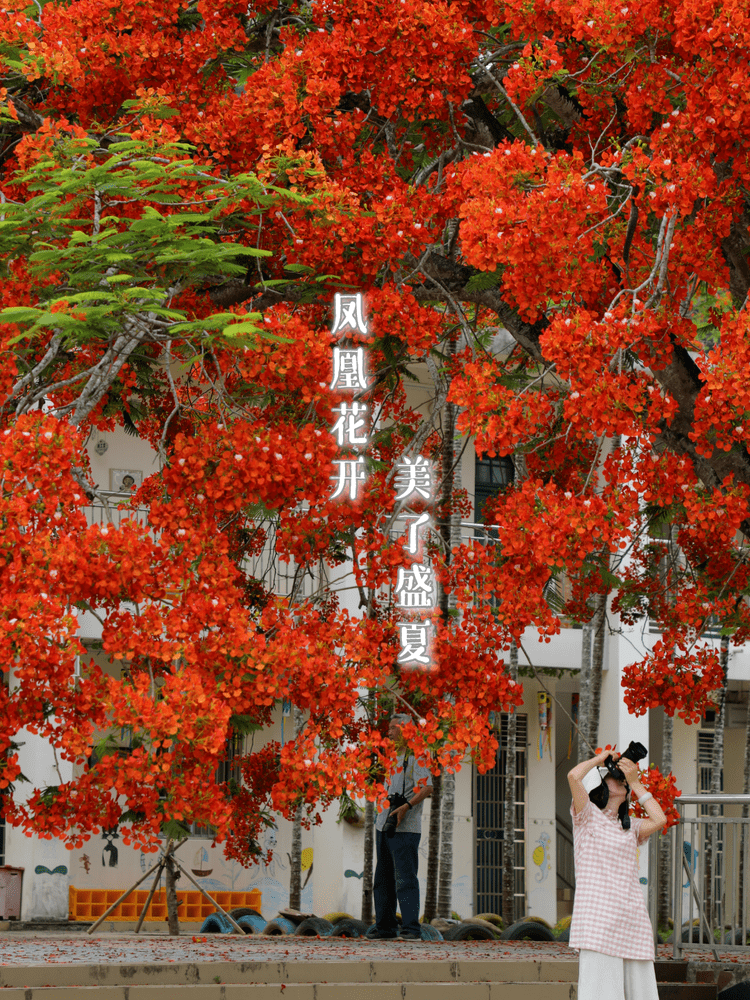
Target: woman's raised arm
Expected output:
[575,779]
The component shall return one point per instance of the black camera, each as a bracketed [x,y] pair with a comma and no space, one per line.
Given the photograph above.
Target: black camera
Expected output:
[396,800]
[635,752]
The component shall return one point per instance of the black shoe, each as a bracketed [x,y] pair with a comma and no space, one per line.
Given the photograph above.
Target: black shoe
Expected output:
[409,936]
[382,935]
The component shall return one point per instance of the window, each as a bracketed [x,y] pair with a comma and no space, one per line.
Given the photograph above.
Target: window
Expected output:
[227,771]
[489,812]
[491,476]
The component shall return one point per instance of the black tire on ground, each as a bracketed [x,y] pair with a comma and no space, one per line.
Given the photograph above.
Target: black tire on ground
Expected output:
[314,927]
[469,932]
[692,935]
[275,928]
[564,935]
[244,911]
[430,933]
[216,923]
[739,937]
[740,991]
[527,930]
[348,927]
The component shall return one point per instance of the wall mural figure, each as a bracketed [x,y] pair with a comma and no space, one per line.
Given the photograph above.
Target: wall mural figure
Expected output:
[109,836]
[201,867]
[49,894]
[540,857]
[269,844]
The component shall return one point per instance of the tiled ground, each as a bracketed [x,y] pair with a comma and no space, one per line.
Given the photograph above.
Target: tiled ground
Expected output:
[30,948]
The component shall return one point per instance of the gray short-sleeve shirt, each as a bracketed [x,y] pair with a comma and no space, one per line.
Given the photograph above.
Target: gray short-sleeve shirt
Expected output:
[404,782]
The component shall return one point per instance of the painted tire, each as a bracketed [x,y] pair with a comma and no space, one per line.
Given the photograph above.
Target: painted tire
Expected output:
[430,933]
[244,911]
[348,927]
[251,923]
[469,932]
[216,923]
[279,926]
[314,927]
[527,930]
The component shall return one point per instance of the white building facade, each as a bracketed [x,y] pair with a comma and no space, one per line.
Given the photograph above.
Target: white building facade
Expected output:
[332,855]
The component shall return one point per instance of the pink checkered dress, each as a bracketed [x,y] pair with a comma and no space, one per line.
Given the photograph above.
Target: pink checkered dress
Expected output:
[609,913]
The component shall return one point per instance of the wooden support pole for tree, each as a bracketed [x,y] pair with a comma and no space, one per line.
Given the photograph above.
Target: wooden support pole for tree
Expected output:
[203,892]
[150,896]
[124,896]
[158,866]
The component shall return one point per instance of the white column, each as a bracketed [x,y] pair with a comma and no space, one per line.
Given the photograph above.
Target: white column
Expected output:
[541,859]
[46,863]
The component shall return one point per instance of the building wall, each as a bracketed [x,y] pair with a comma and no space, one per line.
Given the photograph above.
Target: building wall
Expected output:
[333,852]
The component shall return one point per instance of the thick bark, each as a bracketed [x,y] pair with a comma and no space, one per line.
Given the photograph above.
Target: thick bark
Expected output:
[713,893]
[450,530]
[369,844]
[664,905]
[745,809]
[445,878]
[582,750]
[172,873]
[433,857]
[509,804]
[369,848]
[295,860]
[599,623]
[591,683]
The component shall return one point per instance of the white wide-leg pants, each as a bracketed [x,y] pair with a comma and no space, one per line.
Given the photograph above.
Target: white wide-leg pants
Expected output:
[604,977]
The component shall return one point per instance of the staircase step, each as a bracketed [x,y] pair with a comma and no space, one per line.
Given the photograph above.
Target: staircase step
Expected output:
[373,973]
[687,991]
[671,972]
[311,991]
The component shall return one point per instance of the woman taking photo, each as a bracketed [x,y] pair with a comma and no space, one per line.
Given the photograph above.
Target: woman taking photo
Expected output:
[611,927]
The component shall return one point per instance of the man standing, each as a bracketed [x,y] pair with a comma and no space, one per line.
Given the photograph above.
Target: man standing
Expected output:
[397,856]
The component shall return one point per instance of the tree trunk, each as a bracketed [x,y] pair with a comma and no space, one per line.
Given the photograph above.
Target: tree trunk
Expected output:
[445,878]
[369,848]
[295,861]
[433,858]
[591,683]
[664,905]
[713,879]
[172,873]
[582,735]
[745,809]
[509,804]
[597,665]
[369,845]
[450,530]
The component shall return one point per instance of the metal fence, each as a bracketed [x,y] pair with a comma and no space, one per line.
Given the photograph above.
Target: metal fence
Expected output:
[710,876]
[114,508]
[262,565]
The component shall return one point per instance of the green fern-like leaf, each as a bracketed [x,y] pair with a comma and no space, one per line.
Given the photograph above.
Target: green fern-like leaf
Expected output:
[483,281]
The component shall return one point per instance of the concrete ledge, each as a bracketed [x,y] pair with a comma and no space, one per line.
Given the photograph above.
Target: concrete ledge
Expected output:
[182,974]
[306,991]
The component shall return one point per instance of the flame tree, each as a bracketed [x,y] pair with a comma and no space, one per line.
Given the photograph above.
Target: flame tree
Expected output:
[546,208]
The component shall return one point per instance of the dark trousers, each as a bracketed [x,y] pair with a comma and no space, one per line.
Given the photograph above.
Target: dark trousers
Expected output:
[396,879]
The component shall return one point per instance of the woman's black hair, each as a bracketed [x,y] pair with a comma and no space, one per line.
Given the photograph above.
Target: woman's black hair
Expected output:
[600,797]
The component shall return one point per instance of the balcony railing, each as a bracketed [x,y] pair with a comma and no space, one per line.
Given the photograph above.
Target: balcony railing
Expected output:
[264,565]
[112,510]
[709,878]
